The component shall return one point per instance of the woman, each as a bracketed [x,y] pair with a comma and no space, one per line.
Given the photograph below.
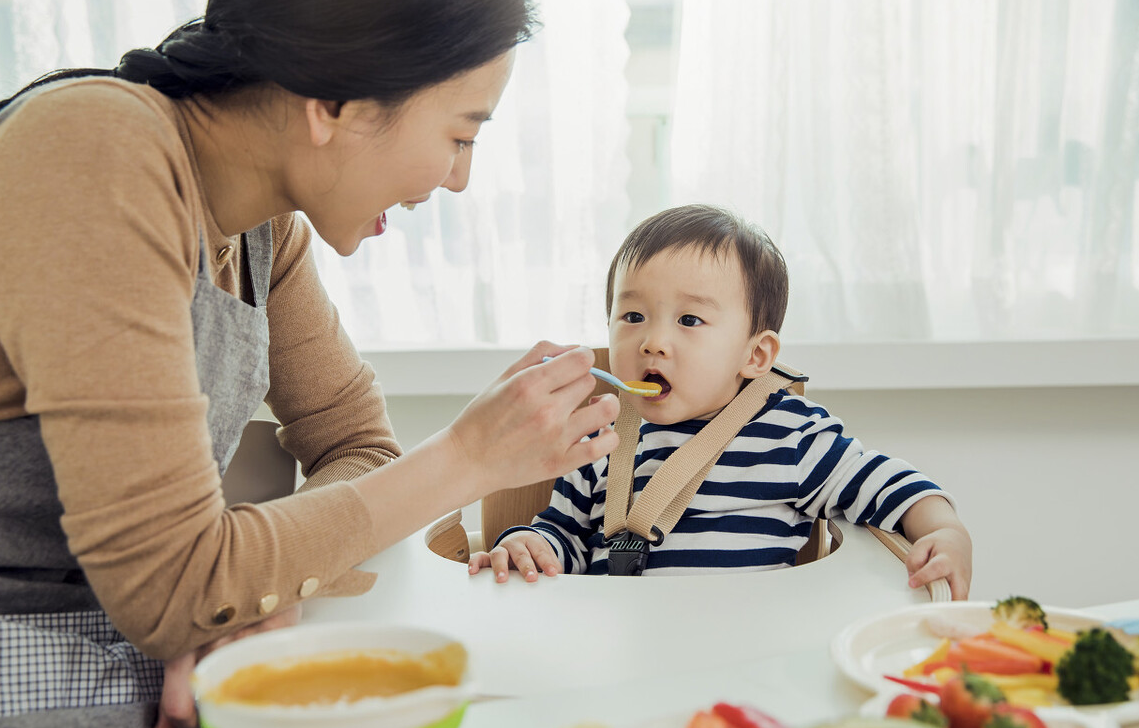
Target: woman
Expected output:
[156,287]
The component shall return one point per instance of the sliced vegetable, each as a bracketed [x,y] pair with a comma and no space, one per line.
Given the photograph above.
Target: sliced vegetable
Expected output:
[968,699]
[938,655]
[1045,646]
[915,707]
[707,719]
[914,684]
[1010,716]
[745,716]
[988,655]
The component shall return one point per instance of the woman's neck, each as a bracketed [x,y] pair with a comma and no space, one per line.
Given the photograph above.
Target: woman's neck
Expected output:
[240,157]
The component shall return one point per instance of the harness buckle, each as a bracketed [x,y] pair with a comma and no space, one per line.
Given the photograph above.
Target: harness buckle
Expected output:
[628,554]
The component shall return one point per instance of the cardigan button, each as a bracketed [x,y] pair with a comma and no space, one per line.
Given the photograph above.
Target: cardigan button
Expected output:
[268,603]
[309,587]
[223,614]
[224,255]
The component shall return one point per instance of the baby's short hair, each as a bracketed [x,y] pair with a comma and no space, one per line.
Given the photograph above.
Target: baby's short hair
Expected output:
[715,231]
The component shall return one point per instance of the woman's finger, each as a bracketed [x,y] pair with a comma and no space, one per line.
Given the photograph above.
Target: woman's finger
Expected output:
[176,706]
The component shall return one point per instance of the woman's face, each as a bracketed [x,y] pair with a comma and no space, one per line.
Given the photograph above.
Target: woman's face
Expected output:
[371,162]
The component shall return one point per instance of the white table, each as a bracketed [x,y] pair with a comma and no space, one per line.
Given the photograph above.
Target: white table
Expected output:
[621,651]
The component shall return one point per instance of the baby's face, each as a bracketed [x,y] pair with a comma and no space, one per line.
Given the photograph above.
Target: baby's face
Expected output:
[681,320]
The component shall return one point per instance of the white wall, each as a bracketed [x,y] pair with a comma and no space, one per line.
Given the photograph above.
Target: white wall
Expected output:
[1045,478]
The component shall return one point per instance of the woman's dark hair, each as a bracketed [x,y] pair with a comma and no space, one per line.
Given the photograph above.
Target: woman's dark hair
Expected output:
[716,232]
[335,50]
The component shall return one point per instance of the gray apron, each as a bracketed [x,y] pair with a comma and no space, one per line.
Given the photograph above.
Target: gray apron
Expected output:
[61,660]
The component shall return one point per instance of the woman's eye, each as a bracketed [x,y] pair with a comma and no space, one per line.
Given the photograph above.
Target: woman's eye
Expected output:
[690,320]
[633,318]
[464,144]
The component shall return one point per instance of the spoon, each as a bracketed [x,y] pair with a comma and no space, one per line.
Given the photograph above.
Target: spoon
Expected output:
[641,389]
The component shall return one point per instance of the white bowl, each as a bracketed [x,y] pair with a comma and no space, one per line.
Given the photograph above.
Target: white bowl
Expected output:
[437,706]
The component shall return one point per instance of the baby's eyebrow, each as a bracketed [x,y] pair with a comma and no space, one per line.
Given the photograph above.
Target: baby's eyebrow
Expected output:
[702,300]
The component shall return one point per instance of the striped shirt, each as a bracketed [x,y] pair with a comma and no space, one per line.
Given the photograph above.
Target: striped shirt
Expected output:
[791,464]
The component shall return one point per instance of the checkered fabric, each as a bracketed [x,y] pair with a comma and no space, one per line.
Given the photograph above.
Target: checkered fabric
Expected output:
[71,660]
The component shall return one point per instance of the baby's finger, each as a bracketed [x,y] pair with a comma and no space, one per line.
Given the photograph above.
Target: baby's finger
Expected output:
[918,556]
[478,560]
[520,553]
[548,562]
[958,587]
[935,569]
[500,563]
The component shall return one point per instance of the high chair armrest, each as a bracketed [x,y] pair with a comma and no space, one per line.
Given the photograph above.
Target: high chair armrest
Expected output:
[900,546]
[448,538]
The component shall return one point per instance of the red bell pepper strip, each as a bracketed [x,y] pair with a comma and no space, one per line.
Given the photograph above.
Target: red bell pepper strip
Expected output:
[745,716]
[915,684]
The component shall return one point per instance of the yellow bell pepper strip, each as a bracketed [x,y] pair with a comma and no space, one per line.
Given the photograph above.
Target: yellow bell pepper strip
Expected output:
[1041,644]
[938,655]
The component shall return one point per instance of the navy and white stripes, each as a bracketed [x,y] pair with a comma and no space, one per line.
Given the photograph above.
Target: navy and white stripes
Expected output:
[790,464]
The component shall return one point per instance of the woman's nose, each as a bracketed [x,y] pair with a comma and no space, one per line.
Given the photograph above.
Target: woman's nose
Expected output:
[460,172]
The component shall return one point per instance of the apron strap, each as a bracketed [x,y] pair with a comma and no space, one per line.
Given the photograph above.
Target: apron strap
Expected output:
[668,493]
[258,244]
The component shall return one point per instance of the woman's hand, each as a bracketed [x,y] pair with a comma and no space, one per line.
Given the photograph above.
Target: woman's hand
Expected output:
[526,551]
[176,708]
[528,426]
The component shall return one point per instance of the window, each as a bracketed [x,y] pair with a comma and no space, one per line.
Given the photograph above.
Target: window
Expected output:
[934,172]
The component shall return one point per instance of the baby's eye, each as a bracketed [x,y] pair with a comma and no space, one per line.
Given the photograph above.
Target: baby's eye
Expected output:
[690,320]
[633,317]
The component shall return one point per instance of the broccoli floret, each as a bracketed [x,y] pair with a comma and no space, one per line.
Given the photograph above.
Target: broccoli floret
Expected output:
[1020,612]
[1095,669]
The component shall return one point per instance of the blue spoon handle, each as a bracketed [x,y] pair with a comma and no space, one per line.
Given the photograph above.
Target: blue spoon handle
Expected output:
[603,376]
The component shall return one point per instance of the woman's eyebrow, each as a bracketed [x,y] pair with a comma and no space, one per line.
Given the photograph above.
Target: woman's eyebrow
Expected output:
[476,117]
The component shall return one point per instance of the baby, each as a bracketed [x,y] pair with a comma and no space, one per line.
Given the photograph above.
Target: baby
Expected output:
[695,299]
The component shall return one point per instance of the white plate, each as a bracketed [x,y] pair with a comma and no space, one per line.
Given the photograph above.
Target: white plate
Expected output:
[887,644]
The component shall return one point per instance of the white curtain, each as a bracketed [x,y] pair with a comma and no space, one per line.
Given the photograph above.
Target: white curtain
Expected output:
[38,36]
[944,169]
[522,254]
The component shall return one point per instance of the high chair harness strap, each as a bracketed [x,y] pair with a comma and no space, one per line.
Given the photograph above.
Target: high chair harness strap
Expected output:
[667,494]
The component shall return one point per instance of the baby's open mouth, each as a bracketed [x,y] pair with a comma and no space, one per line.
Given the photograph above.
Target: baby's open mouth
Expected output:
[655,378]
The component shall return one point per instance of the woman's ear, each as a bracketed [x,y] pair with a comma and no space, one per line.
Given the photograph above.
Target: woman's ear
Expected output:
[764,352]
[322,118]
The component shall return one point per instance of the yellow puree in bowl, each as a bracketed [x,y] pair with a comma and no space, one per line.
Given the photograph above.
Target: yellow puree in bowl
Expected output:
[343,676]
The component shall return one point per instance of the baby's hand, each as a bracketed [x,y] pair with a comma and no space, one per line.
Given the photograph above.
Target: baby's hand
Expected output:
[524,550]
[945,552]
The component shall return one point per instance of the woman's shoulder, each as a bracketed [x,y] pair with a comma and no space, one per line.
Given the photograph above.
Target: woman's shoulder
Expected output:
[99,105]
[111,132]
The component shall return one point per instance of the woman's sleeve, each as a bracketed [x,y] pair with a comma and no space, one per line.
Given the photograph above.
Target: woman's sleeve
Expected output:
[325,396]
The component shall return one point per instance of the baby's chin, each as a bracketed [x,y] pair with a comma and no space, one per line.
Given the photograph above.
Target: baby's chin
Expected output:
[658,415]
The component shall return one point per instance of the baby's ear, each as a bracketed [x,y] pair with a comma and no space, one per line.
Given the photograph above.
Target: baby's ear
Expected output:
[764,352]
